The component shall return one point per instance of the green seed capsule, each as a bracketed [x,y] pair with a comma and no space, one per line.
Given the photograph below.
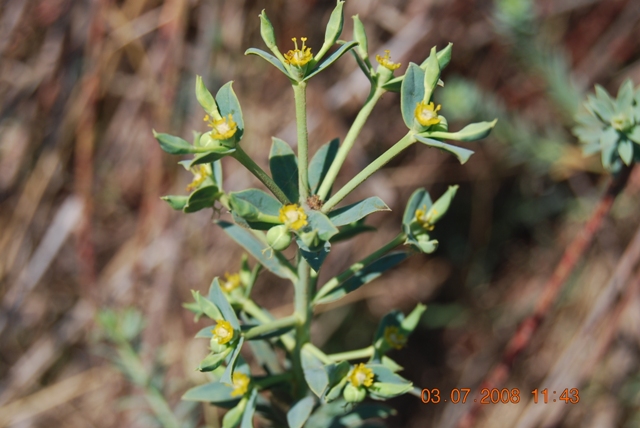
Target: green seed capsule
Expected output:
[354,394]
[279,237]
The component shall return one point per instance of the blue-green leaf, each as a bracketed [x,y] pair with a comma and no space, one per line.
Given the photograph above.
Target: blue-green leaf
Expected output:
[251,208]
[177,202]
[419,199]
[431,75]
[354,212]
[462,154]
[214,392]
[314,258]
[625,150]
[233,417]
[321,162]
[351,230]
[247,417]
[284,168]
[314,372]
[333,58]
[410,322]
[211,155]
[213,361]
[204,197]
[321,223]
[174,145]
[471,132]
[300,412]
[216,169]
[444,57]
[271,260]
[360,414]
[204,97]
[227,377]
[205,333]
[223,304]
[229,105]
[411,93]
[206,306]
[362,277]
[269,58]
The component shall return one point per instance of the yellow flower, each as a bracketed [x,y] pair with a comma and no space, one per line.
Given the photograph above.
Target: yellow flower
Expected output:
[231,282]
[427,113]
[386,61]
[361,375]
[200,173]
[293,216]
[223,332]
[240,384]
[394,337]
[299,57]
[424,217]
[223,128]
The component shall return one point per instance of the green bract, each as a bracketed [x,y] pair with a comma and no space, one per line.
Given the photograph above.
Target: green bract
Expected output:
[611,126]
[289,230]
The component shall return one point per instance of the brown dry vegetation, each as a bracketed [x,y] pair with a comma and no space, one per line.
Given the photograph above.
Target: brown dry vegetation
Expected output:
[82,83]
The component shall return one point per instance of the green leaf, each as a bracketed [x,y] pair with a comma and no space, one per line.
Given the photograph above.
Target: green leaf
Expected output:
[321,223]
[212,155]
[213,361]
[634,135]
[410,322]
[333,30]
[411,93]
[463,155]
[624,100]
[423,244]
[300,412]
[259,250]
[354,212]
[205,333]
[314,372]
[254,209]
[177,202]
[227,376]
[625,150]
[360,36]
[270,59]
[174,145]
[216,169]
[204,197]
[336,372]
[265,356]
[233,417]
[229,105]
[206,306]
[247,417]
[382,391]
[441,206]
[314,258]
[267,32]
[360,414]
[204,97]
[383,374]
[431,75]
[284,168]
[214,392]
[320,164]
[444,57]
[351,230]
[472,132]
[391,365]
[419,199]
[333,58]
[218,297]
[362,277]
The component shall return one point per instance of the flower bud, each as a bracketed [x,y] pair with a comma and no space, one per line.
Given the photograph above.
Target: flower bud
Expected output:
[354,394]
[279,237]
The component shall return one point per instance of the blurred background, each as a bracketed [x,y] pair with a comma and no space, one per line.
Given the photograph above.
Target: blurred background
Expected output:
[82,228]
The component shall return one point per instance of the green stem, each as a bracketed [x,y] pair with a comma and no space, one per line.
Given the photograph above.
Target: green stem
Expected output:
[263,316]
[352,355]
[270,327]
[303,312]
[337,280]
[300,97]
[374,166]
[318,353]
[242,157]
[272,380]
[349,140]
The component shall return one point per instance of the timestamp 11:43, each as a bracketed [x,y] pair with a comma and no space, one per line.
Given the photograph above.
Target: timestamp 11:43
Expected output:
[567,395]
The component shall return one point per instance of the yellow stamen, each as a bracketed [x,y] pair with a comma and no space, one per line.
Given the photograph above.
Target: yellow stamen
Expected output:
[293,216]
[386,61]
[394,337]
[240,384]
[200,174]
[223,332]
[427,113]
[223,128]
[232,281]
[299,57]
[424,217]
[361,376]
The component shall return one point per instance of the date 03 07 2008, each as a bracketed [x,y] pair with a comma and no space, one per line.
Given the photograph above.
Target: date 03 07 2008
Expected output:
[505,396]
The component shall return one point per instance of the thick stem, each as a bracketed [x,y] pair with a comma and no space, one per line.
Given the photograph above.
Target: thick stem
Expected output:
[374,166]
[270,326]
[349,140]
[303,312]
[300,97]
[242,157]
[352,355]
[339,279]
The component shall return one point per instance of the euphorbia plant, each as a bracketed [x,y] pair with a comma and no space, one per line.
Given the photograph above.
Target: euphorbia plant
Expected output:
[301,211]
